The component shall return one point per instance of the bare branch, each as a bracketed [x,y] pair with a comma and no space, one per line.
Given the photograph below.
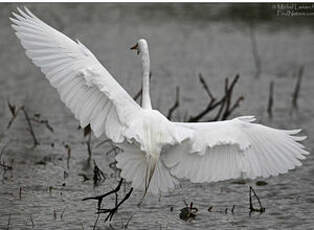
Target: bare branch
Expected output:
[270,100]
[261,209]
[224,103]
[138,95]
[204,84]
[175,105]
[255,53]
[30,126]
[297,88]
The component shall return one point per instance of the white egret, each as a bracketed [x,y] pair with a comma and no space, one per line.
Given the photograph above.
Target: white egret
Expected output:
[156,152]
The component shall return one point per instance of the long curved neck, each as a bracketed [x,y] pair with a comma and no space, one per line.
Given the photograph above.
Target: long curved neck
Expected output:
[146,103]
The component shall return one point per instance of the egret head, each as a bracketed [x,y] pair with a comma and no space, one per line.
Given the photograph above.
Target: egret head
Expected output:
[140,47]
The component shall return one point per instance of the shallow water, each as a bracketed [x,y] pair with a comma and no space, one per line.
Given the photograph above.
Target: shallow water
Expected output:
[181,47]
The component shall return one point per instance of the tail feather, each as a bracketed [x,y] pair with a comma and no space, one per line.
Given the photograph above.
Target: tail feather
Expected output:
[146,173]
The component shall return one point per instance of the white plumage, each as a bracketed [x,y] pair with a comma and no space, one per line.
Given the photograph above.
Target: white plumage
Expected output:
[157,152]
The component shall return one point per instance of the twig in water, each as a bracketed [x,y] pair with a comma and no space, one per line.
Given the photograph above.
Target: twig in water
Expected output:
[110,211]
[32,221]
[45,122]
[270,100]
[295,94]
[5,166]
[94,227]
[128,221]
[204,84]
[228,97]
[232,209]
[2,163]
[14,113]
[138,94]
[99,175]
[175,105]
[261,209]
[61,215]
[101,197]
[103,142]
[9,222]
[20,193]
[256,56]
[30,127]
[68,148]
[54,214]
[87,131]
[225,105]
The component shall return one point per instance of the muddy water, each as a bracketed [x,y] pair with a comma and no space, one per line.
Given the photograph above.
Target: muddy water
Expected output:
[41,192]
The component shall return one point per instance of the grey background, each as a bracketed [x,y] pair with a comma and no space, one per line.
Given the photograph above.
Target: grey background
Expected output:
[184,39]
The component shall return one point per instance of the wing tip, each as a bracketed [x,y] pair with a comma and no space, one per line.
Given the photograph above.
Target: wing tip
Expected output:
[22,14]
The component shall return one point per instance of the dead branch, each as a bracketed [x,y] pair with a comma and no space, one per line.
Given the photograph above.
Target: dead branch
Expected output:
[224,104]
[89,147]
[14,113]
[255,53]
[20,193]
[261,209]
[9,222]
[30,126]
[103,142]
[68,148]
[270,99]
[229,109]
[101,197]
[110,211]
[5,166]
[45,122]
[3,149]
[99,175]
[2,163]
[175,105]
[87,130]
[138,95]
[295,94]
[204,84]
[128,221]
[32,221]
[98,215]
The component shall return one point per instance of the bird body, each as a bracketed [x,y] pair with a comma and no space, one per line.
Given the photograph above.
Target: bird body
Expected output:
[156,152]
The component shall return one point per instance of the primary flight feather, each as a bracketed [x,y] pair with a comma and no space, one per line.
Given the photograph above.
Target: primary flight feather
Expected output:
[156,152]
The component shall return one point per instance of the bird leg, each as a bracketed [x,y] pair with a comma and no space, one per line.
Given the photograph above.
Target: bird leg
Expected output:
[150,169]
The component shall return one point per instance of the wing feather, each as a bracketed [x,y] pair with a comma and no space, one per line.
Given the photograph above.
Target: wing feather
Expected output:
[84,85]
[230,149]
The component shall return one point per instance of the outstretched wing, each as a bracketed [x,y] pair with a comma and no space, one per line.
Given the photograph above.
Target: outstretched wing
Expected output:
[84,85]
[230,149]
